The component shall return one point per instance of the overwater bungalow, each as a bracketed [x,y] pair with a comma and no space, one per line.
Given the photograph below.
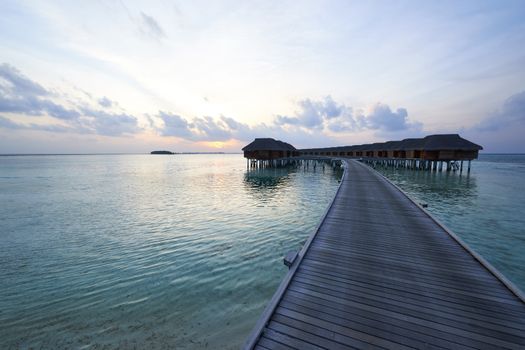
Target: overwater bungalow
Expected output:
[269,149]
[432,147]
[421,153]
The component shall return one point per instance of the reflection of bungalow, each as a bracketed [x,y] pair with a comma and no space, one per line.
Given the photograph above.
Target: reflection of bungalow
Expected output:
[268,149]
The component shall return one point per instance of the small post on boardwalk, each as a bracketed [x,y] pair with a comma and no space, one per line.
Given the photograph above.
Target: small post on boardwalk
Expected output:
[461,167]
[468,171]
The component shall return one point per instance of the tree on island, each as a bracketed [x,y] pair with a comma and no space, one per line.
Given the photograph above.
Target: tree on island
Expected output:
[162,152]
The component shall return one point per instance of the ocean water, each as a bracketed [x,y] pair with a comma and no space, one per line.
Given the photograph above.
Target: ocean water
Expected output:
[486,208]
[140,251]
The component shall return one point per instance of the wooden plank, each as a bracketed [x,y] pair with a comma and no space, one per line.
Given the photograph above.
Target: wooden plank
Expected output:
[408,307]
[416,336]
[380,271]
[410,316]
[410,267]
[350,271]
[430,303]
[314,335]
[272,344]
[381,321]
[410,272]
[409,249]
[431,273]
[287,340]
[483,308]
[428,262]
[368,340]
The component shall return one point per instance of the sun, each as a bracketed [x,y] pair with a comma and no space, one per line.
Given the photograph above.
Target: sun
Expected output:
[217,144]
[221,145]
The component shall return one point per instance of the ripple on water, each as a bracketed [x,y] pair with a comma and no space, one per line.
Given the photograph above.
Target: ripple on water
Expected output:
[148,252]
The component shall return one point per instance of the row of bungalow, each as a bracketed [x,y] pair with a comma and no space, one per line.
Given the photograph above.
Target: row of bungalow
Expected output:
[446,147]
[421,153]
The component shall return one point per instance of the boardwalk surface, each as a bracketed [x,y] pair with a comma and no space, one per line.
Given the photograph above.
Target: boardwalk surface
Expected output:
[381,274]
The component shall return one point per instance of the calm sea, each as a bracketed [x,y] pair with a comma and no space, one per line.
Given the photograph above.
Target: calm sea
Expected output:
[185,251]
[140,251]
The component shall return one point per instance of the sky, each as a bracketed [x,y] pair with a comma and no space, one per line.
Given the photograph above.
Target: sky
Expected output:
[135,76]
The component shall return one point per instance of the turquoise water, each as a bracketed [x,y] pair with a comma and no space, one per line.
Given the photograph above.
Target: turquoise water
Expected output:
[486,208]
[140,251]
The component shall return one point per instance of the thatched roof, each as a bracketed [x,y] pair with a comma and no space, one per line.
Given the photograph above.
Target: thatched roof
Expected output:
[268,144]
[441,142]
[449,142]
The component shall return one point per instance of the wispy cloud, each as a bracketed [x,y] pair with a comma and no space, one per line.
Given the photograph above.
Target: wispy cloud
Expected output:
[20,95]
[150,27]
[9,124]
[105,102]
[315,121]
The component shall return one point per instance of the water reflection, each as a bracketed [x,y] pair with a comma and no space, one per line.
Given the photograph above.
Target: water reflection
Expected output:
[268,181]
[434,184]
[270,186]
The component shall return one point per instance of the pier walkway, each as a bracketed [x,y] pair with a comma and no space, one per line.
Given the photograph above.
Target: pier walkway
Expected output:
[381,273]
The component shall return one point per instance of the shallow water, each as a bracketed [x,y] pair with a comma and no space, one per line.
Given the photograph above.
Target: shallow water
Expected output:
[185,251]
[107,251]
[485,208]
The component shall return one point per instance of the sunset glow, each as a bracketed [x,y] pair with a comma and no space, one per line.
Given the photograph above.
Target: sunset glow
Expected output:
[126,76]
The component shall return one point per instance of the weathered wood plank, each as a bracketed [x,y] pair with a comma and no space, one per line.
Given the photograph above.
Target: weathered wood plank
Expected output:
[381,272]
[483,308]
[452,310]
[314,335]
[382,323]
[409,315]
[432,285]
[368,340]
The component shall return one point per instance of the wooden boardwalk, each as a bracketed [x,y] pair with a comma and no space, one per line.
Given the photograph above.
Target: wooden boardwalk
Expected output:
[380,273]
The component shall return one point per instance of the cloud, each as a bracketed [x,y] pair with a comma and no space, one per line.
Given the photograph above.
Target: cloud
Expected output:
[199,129]
[208,129]
[108,124]
[174,125]
[151,27]
[511,113]
[9,124]
[17,84]
[105,102]
[283,120]
[383,118]
[326,114]
[20,95]
[313,114]
[314,122]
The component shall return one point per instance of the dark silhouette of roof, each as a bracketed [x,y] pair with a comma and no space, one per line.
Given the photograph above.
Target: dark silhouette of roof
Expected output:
[268,144]
[449,142]
[437,142]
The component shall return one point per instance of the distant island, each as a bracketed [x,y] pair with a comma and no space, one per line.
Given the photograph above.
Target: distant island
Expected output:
[162,152]
[169,152]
